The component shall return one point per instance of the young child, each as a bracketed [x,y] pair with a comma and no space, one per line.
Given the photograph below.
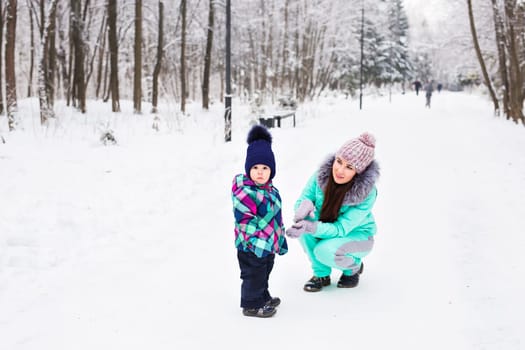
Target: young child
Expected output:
[259,230]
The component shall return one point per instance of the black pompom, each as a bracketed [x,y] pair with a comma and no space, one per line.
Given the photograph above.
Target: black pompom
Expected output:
[259,132]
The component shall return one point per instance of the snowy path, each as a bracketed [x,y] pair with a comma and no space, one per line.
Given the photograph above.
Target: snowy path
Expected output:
[131,247]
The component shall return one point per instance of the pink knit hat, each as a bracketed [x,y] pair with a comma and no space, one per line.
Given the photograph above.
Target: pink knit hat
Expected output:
[358,152]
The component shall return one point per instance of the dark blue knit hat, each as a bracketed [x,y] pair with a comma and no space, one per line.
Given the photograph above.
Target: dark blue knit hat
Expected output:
[259,149]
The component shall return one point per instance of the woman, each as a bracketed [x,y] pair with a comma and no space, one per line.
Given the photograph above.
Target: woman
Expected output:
[333,216]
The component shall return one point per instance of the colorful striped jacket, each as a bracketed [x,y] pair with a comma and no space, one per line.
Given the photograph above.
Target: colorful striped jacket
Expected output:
[258,220]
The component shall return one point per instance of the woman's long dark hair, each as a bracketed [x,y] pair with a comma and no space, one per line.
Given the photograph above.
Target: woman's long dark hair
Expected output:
[333,199]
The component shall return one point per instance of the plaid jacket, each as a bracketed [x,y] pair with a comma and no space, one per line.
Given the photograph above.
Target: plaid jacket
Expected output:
[258,221]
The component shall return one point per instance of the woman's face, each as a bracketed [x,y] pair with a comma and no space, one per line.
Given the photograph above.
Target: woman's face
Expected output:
[342,171]
[260,174]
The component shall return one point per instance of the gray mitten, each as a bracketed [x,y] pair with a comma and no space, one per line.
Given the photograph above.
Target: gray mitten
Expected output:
[306,208]
[301,227]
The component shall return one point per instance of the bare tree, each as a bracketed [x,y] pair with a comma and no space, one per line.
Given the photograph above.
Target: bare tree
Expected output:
[502,56]
[98,51]
[207,59]
[137,76]
[158,63]
[101,51]
[10,75]
[62,50]
[479,55]
[46,110]
[263,58]
[285,70]
[515,29]
[2,16]
[52,58]
[79,81]
[183,57]
[31,53]
[113,49]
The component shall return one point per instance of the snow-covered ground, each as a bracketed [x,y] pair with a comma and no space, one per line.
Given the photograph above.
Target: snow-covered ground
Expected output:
[130,246]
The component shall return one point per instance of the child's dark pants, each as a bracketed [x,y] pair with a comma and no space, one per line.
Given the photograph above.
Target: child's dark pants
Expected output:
[255,273]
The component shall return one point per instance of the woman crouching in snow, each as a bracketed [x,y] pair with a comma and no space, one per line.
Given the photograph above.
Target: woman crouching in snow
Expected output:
[333,216]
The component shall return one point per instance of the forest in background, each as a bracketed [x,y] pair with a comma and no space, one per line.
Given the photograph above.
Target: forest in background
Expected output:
[146,50]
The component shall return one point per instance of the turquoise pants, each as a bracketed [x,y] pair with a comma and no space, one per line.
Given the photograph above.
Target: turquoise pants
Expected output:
[339,253]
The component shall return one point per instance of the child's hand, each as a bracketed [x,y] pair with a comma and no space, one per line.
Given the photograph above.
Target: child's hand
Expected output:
[306,208]
[301,227]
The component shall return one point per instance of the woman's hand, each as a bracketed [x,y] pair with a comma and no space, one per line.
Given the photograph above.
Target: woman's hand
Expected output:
[306,208]
[301,227]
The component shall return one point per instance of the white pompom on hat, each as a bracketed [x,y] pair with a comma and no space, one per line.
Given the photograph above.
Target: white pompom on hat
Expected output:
[358,152]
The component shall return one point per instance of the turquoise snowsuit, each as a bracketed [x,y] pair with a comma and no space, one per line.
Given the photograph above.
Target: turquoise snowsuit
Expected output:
[343,243]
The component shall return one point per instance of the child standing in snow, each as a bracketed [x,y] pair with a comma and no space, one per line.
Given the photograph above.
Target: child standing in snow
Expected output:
[333,216]
[259,230]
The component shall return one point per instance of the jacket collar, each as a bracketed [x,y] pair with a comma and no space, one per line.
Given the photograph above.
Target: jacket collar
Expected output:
[247,181]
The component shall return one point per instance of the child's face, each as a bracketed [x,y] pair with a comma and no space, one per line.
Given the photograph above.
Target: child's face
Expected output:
[342,171]
[260,173]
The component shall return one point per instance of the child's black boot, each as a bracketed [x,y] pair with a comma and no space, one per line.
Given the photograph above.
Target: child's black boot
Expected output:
[265,311]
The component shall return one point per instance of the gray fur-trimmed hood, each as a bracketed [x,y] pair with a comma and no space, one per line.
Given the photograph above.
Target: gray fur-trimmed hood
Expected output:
[363,183]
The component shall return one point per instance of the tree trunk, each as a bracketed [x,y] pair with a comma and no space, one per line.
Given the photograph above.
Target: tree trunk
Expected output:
[207,60]
[285,71]
[101,52]
[183,58]
[228,95]
[502,57]
[61,54]
[1,45]
[269,52]
[46,112]
[105,86]
[480,58]
[295,82]
[77,27]
[10,76]
[52,60]
[254,81]
[113,49]
[137,79]
[158,64]
[31,53]
[306,59]
[221,79]
[192,75]
[263,49]
[70,89]
[516,78]
[99,47]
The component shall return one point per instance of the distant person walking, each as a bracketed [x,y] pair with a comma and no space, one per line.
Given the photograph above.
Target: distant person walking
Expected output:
[417,86]
[428,93]
[439,87]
